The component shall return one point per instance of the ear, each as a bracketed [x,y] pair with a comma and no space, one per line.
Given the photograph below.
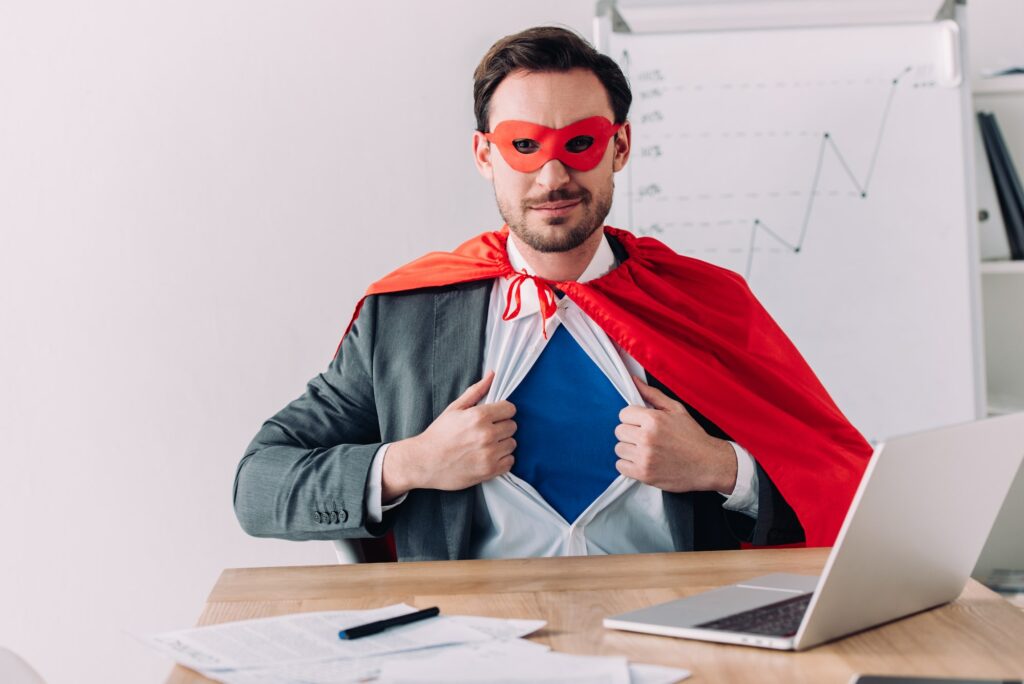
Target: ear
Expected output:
[622,141]
[482,155]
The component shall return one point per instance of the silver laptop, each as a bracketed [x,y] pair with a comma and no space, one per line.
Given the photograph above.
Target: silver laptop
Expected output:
[912,535]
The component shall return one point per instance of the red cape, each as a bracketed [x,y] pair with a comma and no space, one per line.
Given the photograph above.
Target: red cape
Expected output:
[699,330]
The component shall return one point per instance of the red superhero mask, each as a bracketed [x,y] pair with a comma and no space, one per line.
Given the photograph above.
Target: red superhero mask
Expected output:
[528,146]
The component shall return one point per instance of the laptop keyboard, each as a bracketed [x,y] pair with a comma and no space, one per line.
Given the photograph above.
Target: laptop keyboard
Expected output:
[778,619]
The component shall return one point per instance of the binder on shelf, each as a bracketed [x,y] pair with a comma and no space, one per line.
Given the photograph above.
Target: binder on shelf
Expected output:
[1007,182]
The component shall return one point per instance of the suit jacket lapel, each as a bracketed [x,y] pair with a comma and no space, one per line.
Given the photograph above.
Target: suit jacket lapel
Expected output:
[460,319]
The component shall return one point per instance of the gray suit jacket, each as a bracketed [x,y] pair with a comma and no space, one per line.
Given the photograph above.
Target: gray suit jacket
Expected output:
[407,356]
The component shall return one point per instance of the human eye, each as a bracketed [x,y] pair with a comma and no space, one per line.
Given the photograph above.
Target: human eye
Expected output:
[579,143]
[525,145]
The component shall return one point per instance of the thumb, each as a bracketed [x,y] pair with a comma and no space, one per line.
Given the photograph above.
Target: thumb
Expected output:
[655,397]
[473,394]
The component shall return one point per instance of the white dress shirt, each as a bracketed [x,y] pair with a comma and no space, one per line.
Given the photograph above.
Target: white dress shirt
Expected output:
[511,519]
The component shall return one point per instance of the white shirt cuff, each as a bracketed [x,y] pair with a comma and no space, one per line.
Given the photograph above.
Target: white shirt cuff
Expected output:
[744,495]
[375,508]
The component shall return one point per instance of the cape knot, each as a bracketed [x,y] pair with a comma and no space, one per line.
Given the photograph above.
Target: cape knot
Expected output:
[545,295]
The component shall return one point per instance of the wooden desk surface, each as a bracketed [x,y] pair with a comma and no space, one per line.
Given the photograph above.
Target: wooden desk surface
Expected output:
[980,634]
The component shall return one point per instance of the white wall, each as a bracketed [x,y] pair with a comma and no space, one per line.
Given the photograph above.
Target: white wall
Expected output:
[192,196]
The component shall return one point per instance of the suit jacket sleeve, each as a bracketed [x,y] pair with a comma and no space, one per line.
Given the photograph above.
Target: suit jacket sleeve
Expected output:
[776,521]
[304,474]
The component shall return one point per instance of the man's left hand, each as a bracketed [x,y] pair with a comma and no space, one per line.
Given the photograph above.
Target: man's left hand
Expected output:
[666,448]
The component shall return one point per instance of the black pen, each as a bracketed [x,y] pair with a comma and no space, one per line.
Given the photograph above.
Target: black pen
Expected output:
[379,626]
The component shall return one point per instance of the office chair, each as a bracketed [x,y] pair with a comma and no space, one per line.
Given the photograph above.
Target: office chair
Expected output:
[380,550]
[14,670]
[348,551]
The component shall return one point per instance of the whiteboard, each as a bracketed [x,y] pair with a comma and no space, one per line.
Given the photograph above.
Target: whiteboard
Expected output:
[829,167]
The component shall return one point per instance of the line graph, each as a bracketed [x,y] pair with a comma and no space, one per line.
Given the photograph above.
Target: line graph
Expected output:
[757,225]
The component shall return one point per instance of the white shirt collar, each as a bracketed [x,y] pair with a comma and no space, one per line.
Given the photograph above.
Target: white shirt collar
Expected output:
[601,263]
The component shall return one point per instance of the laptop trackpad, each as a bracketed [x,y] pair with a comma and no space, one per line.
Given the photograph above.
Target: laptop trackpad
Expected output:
[803,584]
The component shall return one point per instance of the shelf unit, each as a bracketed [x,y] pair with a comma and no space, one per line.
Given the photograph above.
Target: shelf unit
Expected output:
[999,85]
[1002,292]
[1003,267]
[1002,282]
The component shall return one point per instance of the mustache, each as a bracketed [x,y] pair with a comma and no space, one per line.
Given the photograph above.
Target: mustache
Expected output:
[562,195]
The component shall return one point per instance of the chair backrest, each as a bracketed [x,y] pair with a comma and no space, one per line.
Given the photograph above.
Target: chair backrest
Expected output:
[376,550]
[14,670]
[348,551]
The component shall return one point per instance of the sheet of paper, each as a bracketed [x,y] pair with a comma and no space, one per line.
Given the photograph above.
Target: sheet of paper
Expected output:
[500,628]
[345,671]
[504,662]
[305,637]
[363,669]
[640,673]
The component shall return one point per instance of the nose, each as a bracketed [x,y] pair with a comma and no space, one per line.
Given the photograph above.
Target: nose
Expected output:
[553,176]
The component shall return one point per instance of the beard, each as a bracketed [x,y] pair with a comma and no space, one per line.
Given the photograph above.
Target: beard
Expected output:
[595,210]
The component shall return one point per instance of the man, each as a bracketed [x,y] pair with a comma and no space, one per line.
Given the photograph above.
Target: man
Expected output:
[521,395]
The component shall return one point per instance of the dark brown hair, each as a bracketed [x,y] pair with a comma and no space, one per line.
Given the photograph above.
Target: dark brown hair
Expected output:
[546,48]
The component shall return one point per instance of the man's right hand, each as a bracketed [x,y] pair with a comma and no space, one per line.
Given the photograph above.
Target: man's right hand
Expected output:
[465,445]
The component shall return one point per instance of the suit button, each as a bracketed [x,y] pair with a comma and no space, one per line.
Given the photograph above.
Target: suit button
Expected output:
[334,517]
[344,515]
[318,517]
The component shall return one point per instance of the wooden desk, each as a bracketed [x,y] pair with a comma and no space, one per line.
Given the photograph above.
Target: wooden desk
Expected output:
[979,634]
